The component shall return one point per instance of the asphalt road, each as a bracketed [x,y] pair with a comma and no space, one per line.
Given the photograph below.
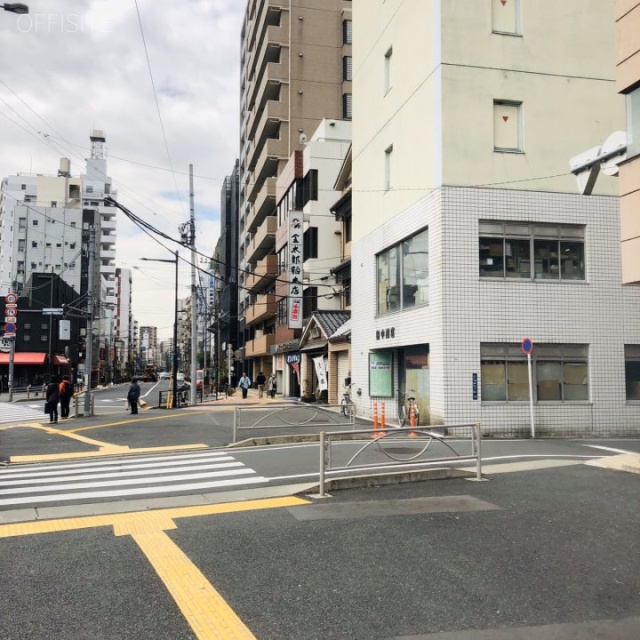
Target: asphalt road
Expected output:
[544,555]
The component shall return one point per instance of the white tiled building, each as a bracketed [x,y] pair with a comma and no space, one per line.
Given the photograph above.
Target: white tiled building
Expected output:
[467,224]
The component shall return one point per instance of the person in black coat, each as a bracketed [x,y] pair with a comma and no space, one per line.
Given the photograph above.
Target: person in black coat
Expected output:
[133,395]
[52,397]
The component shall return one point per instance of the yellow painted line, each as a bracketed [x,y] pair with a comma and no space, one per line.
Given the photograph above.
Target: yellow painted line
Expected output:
[107,450]
[206,611]
[120,422]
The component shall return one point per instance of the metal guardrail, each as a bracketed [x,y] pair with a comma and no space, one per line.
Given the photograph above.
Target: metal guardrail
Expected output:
[300,415]
[420,440]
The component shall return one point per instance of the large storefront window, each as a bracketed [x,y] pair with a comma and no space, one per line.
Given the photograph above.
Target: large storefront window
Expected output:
[560,373]
[413,377]
[403,274]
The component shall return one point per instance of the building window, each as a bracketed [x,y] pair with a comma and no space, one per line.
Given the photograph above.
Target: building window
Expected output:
[22,224]
[347,32]
[54,204]
[282,311]
[388,159]
[347,106]
[560,373]
[44,338]
[347,68]
[34,244]
[309,301]
[632,371]
[310,243]
[22,244]
[633,123]
[26,337]
[34,223]
[387,70]
[27,326]
[403,274]
[309,190]
[505,16]
[507,126]
[531,251]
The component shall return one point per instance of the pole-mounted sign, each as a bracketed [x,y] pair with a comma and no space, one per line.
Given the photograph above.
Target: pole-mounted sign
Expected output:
[527,347]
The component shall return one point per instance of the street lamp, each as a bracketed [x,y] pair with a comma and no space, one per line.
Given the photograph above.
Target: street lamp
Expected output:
[15,7]
[174,394]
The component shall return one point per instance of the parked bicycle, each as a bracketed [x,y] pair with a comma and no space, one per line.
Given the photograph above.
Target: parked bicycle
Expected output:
[347,405]
[407,405]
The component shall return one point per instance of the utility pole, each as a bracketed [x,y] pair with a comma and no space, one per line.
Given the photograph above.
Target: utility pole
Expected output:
[194,318]
[89,337]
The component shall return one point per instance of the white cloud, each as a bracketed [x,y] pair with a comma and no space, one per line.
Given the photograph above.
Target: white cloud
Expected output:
[83,66]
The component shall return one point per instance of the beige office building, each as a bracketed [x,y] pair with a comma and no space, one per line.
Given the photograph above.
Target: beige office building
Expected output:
[628,83]
[295,71]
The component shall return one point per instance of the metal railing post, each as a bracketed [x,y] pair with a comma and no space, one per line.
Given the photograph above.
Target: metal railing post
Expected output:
[478,452]
[322,464]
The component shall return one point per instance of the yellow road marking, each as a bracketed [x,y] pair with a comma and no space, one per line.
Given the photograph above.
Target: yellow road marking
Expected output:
[107,450]
[119,423]
[206,611]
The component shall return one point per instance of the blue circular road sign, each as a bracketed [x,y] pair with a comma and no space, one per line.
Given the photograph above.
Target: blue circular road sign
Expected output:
[527,345]
[10,327]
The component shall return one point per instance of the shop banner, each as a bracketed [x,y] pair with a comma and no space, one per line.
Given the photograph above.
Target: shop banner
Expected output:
[321,372]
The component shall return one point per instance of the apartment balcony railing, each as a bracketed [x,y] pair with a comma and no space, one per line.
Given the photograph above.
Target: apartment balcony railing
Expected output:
[264,205]
[263,308]
[263,241]
[265,271]
[267,49]
[264,122]
[267,84]
[259,346]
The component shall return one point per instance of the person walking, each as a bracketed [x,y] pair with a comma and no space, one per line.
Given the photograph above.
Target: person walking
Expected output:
[52,397]
[244,384]
[260,381]
[133,395]
[273,386]
[65,391]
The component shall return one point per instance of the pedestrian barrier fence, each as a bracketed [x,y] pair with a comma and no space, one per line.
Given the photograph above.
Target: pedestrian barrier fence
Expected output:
[406,446]
[273,417]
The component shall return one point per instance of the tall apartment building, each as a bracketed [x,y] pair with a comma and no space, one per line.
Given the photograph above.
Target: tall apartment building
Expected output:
[468,232]
[44,225]
[123,325]
[295,70]
[149,345]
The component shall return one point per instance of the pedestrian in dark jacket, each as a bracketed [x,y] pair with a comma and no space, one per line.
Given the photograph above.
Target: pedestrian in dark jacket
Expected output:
[65,390]
[52,397]
[133,395]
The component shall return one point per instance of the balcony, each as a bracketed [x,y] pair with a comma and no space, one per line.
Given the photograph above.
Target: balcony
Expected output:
[265,271]
[265,120]
[264,204]
[263,308]
[267,85]
[267,50]
[259,346]
[263,241]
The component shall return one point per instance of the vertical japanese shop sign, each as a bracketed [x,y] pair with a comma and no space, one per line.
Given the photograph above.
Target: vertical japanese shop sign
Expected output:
[296,260]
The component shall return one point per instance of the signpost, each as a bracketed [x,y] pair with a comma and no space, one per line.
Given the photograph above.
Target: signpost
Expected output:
[527,347]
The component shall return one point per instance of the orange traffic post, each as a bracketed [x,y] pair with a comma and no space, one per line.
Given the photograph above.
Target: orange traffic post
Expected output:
[375,419]
[412,421]
[383,426]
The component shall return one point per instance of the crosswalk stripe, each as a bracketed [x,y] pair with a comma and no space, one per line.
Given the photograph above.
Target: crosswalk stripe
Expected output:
[10,412]
[121,477]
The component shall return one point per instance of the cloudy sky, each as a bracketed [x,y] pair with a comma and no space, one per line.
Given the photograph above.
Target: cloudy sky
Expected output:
[161,79]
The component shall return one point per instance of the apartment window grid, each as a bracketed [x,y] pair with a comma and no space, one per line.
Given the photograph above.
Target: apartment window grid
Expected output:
[560,373]
[347,68]
[506,17]
[531,251]
[347,31]
[347,106]
[402,273]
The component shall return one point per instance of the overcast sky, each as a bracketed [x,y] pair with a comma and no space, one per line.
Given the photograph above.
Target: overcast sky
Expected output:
[71,66]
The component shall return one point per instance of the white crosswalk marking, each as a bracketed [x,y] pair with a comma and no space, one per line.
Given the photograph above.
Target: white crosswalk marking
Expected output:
[122,477]
[19,412]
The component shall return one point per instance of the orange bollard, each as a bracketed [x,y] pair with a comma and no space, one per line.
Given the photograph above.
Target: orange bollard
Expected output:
[382,418]
[412,421]
[375,419]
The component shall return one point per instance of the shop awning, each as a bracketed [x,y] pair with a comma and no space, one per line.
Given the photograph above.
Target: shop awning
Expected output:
[60,360]
[315,346]
[24,357]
